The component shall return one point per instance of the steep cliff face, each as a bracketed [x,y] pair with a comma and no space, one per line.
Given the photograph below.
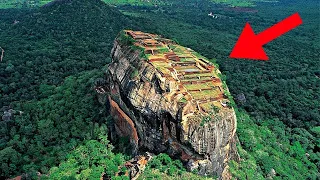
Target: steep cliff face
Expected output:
[167,98]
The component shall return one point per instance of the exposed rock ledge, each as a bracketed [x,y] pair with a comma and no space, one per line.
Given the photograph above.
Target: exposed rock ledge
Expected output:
[167,98]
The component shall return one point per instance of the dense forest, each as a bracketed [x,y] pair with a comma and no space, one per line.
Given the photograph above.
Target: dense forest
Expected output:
[53,54]
[52,57]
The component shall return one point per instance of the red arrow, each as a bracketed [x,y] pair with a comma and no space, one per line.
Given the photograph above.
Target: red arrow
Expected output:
[249,45]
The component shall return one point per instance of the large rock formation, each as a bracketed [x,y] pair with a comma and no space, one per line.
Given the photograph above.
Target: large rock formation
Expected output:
[167,98]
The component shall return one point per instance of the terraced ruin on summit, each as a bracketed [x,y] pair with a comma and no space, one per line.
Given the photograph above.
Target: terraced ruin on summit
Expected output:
[186,75]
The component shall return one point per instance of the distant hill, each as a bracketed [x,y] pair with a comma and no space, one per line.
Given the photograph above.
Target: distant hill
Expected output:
[76,33]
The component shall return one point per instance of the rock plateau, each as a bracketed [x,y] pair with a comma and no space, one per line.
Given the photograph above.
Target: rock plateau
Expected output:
[167,98]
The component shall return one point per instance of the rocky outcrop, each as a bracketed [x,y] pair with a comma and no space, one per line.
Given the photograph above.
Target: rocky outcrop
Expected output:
[9,113]
[167,98]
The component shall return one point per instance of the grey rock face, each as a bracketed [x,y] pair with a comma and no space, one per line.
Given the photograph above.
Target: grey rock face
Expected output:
[138,100]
